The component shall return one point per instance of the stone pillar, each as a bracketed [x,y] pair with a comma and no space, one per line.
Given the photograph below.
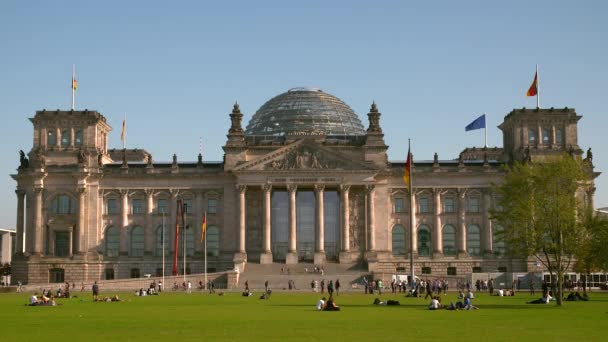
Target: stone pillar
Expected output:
[124,223]
[371,216]
[18,248]
[150,230]
[487,229]
[292,254]
[241,189]
[38,228]
[461,238]
[436,235]
[199,212]
[72,136]
[319,258]
[345,238]
[58,135]
[78,236]
[266,256]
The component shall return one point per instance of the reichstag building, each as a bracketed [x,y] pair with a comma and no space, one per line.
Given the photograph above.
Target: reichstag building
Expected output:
[304,182]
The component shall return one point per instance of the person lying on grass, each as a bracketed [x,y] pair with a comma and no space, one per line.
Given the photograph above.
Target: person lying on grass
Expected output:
[331,305]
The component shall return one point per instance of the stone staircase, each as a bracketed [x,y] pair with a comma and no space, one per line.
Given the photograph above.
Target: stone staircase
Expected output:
[302,274]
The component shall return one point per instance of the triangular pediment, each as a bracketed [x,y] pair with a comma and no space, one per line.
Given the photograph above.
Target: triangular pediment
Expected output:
[304,155]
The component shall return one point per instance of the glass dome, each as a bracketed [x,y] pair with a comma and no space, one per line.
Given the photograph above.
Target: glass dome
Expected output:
[305,111]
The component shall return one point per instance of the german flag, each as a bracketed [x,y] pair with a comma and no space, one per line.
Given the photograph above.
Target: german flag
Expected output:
[204,227]
[533,90]
[407,171]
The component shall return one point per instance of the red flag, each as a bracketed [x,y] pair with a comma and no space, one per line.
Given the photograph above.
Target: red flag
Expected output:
[176,242]
[534,87]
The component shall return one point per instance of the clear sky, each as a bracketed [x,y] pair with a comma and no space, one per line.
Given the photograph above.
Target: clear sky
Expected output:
[176,68]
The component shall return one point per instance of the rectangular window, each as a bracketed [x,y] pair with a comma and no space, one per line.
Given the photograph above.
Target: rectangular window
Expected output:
[452,271]
[502,269]
[448,205]
[137,206]
[558,136]
[473,205]
[62,244]
[476,269]
[109,273]
[423,205]
[545,137]
[212,206]
[399,205]
[78,138]
[135,273]
[56,275]
[112,206]
[531,137]
[188,208]
[162,206]
[426,270]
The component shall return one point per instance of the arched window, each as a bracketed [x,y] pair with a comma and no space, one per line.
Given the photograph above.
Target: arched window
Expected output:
[65,137]
[160,239]
[473,240]
[499,240]
[398,240]
[213,241]
[449,240]
[78,137]
[51,139]
[424,240]
[62,204]
[137,242]
[112,241]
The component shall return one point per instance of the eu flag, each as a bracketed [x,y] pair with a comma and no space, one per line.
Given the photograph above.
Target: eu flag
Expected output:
[478,123]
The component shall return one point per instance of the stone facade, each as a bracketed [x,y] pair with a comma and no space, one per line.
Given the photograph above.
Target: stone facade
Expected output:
[88,213]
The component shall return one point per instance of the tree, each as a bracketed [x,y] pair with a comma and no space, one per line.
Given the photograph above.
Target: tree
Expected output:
[591,256]
[539,212]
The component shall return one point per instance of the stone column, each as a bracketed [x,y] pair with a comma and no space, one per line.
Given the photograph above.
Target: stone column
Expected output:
[461,238]
[72,136]
[319,258]
[266,256]
[18,248]
[345,238]
[371,216]
[58,135]
[437,243]
[37,237]
[78,236]
[199,212]
[292,254]
[241,189]
[124,223]
[487,229]
[150,230]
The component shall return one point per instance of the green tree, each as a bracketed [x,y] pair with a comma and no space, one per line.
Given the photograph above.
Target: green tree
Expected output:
[591,256]
[539,212]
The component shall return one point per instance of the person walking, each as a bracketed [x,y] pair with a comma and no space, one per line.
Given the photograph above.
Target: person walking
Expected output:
[337,287]
[189,290]
[322,286]
[330,287]
[95,289]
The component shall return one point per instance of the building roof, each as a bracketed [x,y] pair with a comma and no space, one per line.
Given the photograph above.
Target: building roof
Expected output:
[305,111]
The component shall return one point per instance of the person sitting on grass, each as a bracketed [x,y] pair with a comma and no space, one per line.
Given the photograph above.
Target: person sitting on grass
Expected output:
[331,305]
[545,299]
[247,293]
[377,301]
[468,305]
[321,304]
[435,304]
[34,300]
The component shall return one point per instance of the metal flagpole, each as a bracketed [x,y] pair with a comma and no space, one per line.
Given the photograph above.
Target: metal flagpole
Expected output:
[485,130]
[537,88]
[163,240]
[205,239]
[409,156]
[72,85]
[184,241]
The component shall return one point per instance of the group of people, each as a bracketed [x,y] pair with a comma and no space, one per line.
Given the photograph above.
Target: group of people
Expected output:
[42,300]
[373,286]
[331,286]
[327,304]
[464,303]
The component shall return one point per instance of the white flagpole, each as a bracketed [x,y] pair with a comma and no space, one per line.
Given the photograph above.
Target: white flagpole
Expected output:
[184,242]
[485,130]
[72,83]
[537,88]
[409,156]
[205,239]
[163,240]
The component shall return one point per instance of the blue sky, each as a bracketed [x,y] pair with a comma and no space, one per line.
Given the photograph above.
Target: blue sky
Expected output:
[177,67]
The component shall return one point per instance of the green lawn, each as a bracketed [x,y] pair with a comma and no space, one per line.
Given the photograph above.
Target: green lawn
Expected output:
[291,316]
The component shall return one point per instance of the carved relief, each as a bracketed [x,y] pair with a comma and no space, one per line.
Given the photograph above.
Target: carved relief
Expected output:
[357,220]
[300,159]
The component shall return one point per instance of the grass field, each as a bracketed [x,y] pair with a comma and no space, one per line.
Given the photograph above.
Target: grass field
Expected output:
[291,316]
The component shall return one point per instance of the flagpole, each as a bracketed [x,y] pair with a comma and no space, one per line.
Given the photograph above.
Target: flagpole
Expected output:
[205,239]
[409,156]
[163,240]
[537,88]
[184,240]
[124,128]
[72,85]
[485,131]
